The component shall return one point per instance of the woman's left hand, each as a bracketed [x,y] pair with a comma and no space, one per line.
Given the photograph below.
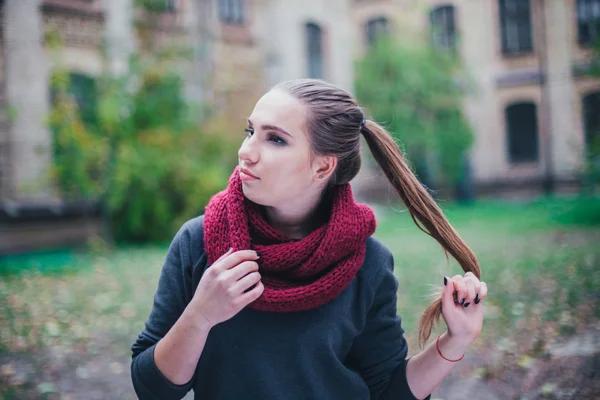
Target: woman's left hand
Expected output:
[462,306]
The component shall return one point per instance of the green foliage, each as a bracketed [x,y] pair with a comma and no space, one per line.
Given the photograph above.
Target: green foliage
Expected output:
[79,155]
[591,169]
[414,90]
[155,5]
[584,210]
[144,153]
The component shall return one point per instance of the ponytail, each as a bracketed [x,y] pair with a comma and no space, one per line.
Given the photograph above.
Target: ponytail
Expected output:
[424,211]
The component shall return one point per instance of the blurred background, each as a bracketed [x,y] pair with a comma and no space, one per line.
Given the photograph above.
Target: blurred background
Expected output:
[119,119]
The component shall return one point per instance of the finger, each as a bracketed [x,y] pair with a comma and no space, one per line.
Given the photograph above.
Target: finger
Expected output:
[252,295]
[246,282]
[236,258]
[474,281]
[470,292]
[241,270]
[482,293]
[471,275]
[460,288]
[225,255]
[448,292]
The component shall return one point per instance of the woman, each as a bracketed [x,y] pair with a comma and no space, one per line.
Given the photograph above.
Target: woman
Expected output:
[280,292]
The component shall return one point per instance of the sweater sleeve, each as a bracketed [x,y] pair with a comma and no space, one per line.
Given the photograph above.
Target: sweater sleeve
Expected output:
[379,351]
[172,295]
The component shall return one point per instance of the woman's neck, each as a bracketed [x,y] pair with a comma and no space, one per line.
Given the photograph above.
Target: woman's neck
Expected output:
[297,222]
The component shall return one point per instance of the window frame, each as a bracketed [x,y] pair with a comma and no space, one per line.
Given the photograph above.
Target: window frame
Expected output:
[593,29]
[516,30]
[448,28]
[232,12]
[313,34]
[589,135]
[374,28]
[516,156]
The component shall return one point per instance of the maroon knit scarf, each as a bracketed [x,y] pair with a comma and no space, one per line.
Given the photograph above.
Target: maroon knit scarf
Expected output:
[297,274]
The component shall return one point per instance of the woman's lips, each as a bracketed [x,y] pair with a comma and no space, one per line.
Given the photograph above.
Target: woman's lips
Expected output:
[246,176]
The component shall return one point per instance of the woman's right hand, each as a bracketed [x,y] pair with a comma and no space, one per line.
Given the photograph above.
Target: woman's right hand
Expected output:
[221,293]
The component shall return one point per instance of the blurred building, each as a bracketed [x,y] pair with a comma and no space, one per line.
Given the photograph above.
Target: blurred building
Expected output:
[533,111]
[31,215]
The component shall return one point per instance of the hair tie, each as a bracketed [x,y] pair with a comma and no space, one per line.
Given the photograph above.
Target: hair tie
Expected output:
[362,125]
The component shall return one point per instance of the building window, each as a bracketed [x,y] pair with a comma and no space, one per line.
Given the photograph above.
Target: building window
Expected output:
[588,21]
[522,132]
[231,11]
[170,6]
[159,5]
[375,28]
[516,27]
[84,91]
[591,120]
[314,50]
[443,28]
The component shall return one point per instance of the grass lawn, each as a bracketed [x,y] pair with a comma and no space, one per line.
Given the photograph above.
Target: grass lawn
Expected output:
[542,274]
[66,310]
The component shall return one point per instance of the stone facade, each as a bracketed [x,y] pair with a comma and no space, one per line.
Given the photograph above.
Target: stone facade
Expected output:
[242,58]
[242,47]
[543,76]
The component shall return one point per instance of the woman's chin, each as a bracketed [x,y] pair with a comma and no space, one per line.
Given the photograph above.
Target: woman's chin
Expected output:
[251,195]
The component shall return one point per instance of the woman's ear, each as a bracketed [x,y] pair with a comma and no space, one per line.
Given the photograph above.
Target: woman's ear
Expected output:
[324,166]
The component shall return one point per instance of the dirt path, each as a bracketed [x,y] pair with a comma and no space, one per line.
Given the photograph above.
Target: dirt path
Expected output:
[567,370]
[99,371]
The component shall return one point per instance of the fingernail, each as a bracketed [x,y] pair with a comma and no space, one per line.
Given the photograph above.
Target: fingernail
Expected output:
[257,254]
[462,302]
[477,298]
[467,305]
[445,281]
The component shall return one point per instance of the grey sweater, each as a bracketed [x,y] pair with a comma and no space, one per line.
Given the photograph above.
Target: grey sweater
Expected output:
[350,348]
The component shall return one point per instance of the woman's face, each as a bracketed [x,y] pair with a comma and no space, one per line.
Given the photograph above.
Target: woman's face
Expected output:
[275,158]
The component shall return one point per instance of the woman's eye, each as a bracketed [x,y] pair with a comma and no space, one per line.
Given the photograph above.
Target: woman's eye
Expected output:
[249,132]
[276,139]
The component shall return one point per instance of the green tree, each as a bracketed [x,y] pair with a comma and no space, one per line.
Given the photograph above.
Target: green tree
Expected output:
[145,155]
[415,91]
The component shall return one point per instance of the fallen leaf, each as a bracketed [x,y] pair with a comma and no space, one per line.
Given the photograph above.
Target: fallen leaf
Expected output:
[526,362]
[7,370]
[116,368]
[46,388]
[82,373]
[52,328]
[547,389]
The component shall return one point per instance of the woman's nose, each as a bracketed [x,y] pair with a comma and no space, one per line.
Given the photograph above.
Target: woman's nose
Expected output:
[248,151]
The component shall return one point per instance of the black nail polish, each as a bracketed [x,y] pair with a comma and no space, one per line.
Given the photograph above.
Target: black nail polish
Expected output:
[462,302]
[445,281]
[477,298]
[467,305]
[477,301]
[257,254]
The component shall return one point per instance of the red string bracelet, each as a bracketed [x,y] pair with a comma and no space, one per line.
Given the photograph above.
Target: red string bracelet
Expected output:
[437,344]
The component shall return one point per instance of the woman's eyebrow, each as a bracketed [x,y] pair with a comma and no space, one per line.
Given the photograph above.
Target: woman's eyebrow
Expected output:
[272,128]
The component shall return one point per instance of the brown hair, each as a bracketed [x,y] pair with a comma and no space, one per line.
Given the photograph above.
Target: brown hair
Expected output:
[335,123]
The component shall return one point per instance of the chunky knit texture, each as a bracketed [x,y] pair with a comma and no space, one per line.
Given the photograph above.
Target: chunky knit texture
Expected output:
[297,274]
